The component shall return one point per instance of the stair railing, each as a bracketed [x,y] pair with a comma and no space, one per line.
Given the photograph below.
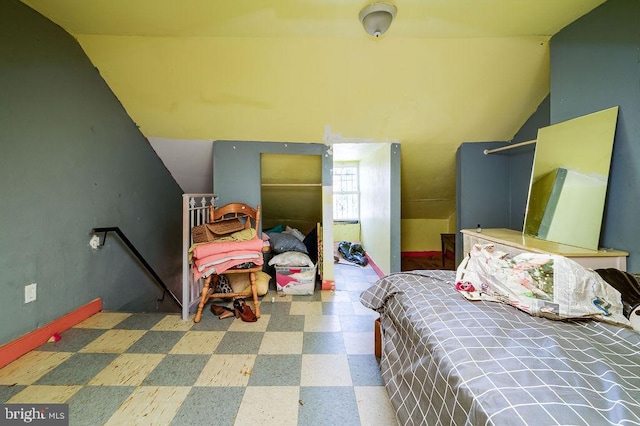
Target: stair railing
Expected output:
[138,256]
[195,211]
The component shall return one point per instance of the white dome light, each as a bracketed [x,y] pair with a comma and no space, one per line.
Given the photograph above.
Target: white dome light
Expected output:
[376,18]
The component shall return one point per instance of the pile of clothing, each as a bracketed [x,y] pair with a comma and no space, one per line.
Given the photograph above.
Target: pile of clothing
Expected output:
[353,252]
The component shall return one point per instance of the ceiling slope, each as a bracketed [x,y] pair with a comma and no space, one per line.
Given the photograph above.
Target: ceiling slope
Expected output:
[447,72]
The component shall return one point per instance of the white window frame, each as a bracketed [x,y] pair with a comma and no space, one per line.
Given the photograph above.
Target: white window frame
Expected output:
[338,194]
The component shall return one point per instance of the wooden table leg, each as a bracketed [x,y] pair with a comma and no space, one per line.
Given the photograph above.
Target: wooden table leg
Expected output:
[254,291]
[203,299]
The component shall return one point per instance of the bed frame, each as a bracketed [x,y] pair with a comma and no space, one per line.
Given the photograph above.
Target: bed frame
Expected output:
[447,360]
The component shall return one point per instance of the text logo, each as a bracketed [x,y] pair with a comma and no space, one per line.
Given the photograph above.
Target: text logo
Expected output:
[34,414]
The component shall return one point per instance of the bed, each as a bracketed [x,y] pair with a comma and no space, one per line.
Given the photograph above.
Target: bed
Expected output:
[447,360]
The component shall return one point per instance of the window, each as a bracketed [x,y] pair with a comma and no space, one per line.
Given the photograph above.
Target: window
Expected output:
[346,195]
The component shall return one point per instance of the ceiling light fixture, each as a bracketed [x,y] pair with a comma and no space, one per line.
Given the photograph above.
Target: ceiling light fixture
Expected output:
[376,18]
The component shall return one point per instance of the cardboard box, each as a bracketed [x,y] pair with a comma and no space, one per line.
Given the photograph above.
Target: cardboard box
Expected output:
[295,279]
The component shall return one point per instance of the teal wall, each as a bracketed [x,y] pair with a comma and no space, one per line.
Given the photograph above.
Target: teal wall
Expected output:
[521,165]
[482,189]
[71,160]
[236,167]
[396,242]
[594,66]
[492,190]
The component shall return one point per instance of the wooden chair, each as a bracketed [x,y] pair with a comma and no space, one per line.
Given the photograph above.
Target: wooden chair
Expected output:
[251,217]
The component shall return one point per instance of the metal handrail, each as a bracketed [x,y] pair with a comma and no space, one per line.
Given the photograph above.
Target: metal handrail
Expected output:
[139,256]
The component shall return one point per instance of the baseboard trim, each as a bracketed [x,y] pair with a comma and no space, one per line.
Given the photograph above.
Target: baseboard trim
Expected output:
[420,253]
[13,350]
[374,266]
[328,285]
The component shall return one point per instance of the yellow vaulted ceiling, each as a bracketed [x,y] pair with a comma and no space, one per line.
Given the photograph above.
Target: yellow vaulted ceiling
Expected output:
[446,72]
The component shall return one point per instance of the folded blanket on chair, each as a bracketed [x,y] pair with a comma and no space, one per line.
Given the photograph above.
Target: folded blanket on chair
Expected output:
[218,264]
[202,250]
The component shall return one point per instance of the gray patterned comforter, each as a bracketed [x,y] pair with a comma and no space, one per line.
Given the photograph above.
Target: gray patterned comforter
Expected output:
[447,360]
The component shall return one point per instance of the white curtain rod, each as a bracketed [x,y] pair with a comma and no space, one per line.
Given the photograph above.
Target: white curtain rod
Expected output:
[504,148]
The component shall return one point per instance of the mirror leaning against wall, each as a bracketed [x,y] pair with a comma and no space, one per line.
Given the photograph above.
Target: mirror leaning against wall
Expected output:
[569,180]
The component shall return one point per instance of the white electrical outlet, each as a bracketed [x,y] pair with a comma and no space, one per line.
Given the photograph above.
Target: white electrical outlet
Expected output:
[30,293]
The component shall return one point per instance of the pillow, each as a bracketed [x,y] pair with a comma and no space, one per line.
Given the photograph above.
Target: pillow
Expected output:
[282,243]
[295,232]
[539,284]
[277,228]
[291,258]
[241,283]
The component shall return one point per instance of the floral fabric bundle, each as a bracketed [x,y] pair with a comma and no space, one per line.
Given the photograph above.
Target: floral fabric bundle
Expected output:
[540,284]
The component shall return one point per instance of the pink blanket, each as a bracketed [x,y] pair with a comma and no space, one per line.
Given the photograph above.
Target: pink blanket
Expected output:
[204,250]
[220,256]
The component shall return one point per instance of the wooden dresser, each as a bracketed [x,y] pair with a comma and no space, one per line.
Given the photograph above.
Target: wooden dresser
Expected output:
[514,242]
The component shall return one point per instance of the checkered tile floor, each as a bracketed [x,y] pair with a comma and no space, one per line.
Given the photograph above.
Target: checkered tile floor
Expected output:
[307,361]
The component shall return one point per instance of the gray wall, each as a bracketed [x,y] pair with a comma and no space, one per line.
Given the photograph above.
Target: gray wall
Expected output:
[482,189]
[521,165]
[492,189]
[71,159]
[594,66]
[237,173]
[236,167]
[395,184]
